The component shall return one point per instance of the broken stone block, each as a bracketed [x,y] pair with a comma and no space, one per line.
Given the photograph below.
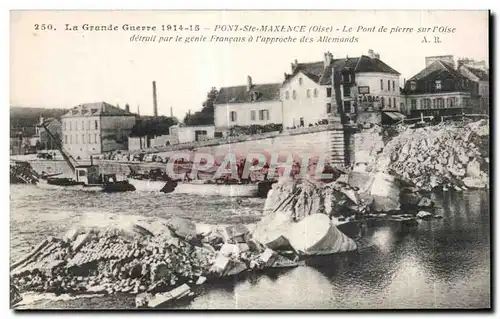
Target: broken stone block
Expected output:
[80,241]
[236,268]
[220,264]
[182,227]
[315,235]
[268,257]
[424,215]
[229,250]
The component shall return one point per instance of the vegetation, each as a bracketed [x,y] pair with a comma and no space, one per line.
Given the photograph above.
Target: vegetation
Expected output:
[206,115]
[24,119]
[254,129]
[153,126]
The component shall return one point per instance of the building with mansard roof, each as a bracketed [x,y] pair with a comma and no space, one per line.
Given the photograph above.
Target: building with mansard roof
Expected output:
[95,128]
[309,95]
[245,105]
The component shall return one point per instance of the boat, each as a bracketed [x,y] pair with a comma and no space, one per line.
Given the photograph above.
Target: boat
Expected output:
[203,184]
[86,177]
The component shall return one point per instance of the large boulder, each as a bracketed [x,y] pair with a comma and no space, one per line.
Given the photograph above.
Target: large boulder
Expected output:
[385,192]
[182,227]
[315,235]
[272,229]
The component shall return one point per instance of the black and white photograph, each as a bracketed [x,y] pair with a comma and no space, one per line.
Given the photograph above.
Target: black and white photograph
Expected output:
[249,160]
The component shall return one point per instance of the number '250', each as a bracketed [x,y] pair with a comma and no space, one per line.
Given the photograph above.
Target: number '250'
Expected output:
[43,27]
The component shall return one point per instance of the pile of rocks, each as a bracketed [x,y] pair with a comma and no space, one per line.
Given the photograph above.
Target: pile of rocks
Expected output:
[143,258]
[445,155]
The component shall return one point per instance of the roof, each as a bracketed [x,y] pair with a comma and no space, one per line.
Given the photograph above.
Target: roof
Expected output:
[317,72]
[438,70]
[481,74]
[96,109]
[240,94]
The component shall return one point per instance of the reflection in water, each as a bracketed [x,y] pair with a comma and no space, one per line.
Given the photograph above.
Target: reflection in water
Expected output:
[442,263]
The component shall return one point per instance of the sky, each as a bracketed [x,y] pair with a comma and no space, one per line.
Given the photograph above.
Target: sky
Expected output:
[61,69]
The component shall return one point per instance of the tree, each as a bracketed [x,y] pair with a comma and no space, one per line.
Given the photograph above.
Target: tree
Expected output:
[153,126]
[206,115]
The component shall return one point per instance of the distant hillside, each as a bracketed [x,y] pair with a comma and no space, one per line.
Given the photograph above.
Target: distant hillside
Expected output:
[25,118]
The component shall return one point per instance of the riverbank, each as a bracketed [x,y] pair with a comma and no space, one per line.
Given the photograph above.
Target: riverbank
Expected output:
[443,263]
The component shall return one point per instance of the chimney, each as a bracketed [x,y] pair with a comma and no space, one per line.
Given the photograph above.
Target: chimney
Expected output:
[127,107]
[249,83]
[138,111]
[155,102]
[377,56]
[328,59]
[371,54]
[171,112]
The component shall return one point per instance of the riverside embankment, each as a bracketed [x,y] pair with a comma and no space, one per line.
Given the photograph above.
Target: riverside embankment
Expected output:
[441,263]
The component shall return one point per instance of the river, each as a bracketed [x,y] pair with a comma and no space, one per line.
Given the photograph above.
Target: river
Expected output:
[443,263]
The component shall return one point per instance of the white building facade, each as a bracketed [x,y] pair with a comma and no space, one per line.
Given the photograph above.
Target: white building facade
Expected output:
[95,128]
[309,97]
[245,105]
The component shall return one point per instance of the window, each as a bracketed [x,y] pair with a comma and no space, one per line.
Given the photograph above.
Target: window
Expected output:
[328,108]
[300,81]
[382,101]
[89,140]
[70,126]
[434,103]
[83,138]
[83,126]
[252,115]
[233,116]
[413,104]
[71,139]
[381,85]
[394,102]
[451,102]
[388,85]
[346,77]
[347,107]
[394,85]
[263,115]
[308,93]
[65,139]
[65,125]
[95,138]
[347,91]
[76,139]
[440,103]
[389,102]
[413,85]
[287,95]
[302,122]
[76,126]
[294,95]
[96,126]
[438,84]
[315,92]
[88,126]
[328,92]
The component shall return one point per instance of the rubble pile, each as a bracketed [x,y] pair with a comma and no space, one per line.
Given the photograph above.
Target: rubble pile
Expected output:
[143,259]
[445,155]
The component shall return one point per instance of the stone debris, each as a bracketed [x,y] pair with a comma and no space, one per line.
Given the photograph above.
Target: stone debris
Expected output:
[444,155]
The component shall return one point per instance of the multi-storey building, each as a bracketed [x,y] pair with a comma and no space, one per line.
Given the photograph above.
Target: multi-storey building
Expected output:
[309,94]
[244,105]
[95,128]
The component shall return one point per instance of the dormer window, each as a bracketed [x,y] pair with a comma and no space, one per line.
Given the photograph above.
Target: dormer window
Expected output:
[294,95]
[438,84]
[300,81]
[413,85]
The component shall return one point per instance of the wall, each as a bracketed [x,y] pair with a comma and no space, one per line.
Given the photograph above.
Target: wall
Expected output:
[460,102]
[326,141]
[369,117]
[312,109]
[137,143]
[187,134]
[115,131]
[78,131]
[243,111]
[164,140]
[372,80]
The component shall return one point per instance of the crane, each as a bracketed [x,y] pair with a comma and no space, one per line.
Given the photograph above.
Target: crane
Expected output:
[67,157]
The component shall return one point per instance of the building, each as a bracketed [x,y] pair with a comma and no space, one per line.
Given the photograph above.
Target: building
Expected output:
[186,134]
[42,139]
[482,65]
[438,90]
[480,95]
[96,128]
[310,96]
[449,59]
[245,105]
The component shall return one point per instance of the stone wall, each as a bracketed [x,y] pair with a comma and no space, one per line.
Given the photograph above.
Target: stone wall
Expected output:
[326,141]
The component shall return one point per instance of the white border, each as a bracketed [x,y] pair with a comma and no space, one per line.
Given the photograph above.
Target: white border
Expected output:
[7,5]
